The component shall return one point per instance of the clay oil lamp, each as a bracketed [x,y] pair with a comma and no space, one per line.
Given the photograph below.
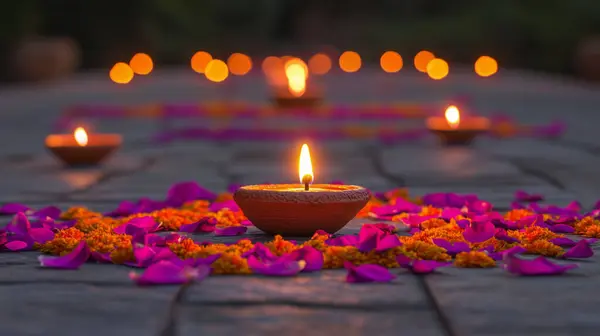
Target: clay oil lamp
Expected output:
[452,129]
[298,93]
[81,148]
[298,210]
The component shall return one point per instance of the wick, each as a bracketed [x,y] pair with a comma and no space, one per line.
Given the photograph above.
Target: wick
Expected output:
[307,179]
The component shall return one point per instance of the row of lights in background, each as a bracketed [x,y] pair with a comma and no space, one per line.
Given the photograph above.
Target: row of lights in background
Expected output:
[320,64]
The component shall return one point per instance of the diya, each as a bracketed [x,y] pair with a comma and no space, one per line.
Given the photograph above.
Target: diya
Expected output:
[454,130]
[81,148]
[297,94]
[299,210]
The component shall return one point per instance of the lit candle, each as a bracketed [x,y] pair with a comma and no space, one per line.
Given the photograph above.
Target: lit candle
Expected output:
[81,148]
[301,209]
[454,129]
[297,93]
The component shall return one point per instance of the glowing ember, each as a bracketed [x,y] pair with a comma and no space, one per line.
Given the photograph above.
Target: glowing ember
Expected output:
[452,116]
[296,77]
[80,136]
[305,166]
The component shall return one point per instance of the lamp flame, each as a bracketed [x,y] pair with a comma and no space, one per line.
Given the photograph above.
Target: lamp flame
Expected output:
[452,116]
[296,77]
[305,167]
[81,136]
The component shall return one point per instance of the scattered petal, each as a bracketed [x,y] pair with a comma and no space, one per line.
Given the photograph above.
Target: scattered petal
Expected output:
[166,272]
[72,261]
[581,250]
[280,267]
[205,225]
[367,273]
[537,266]
[231,231]
[13,208]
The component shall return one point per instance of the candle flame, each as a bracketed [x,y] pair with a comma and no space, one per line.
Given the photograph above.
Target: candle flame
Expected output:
[452,116]
[305,166]
[81,136]
[296,77]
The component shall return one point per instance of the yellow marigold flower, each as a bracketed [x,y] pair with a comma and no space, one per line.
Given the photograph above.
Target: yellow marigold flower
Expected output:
[121,255]
[430,211]
[280,246]
[545,248]
[103,242]
[433,223]
[424,250]
[231,263]
[533,233]
[588,227]
[186,248]
[63,242]
[517,214]
[78,212]
[474,259]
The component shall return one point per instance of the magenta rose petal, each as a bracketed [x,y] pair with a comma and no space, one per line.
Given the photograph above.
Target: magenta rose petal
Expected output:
[537,266]
[19,225]
[165,272]
[13,208]
[72,261]
[581,250]
[479,232]
[196,262]
[563,241]
[427,266]
[49,211]
[368,273]
[204,225]
[143,257]
[231,231]
[100,257]
[280,267]
[562,228]
[368,237]
[41,235]
[16,245]
[313,258]
[452,248]
[403,261]
[387,242]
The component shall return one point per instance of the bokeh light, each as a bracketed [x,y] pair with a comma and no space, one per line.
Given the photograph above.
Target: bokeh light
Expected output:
[391,62]
[273,67]
[121,73]
[239,64]
[437,68]
[422,58]
[200,61]
[216,71]
[486,66]
[319,64]
[298,61]
[350,61]
[141,64]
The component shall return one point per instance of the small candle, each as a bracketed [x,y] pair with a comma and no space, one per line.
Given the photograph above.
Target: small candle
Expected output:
[297,92]
[454,129]
[301,209]
[81,148]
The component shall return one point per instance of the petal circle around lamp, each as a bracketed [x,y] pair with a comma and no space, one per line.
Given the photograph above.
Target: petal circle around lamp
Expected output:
[454,129]
[299,210]
[81,148]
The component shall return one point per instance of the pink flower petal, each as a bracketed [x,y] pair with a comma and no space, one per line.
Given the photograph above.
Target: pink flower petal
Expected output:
[280,267]
[537,266]
[231,231]
[167,273]
[427,266]
[581,250]
[73,260]
[13,208]
[367,273]
[16,245]
[204,225]
[311,256]
[479,232]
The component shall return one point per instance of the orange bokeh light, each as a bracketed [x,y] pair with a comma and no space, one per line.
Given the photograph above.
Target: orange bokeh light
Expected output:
[273,67]
[422,58]
[271,63]
[437,69]
[121,73]
[239,64]
[141,64]
[200,61]
[296,74]
[391,62]
[486,66]
[319,64]
[216,71]
[350,61]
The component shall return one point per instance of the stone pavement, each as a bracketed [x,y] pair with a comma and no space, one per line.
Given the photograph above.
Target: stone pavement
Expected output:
[100,299]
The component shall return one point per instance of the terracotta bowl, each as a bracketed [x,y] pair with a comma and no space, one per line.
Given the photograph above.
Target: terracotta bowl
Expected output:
[282,98]
[289,210]
[98,148]
[469,129]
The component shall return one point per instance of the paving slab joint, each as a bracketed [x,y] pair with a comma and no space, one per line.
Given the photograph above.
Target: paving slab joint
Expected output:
[169,325]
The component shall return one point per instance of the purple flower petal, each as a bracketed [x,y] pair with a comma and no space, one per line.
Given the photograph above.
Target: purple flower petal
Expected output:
[125,208]
[386,228]
[522,196]
[181,193]
[280,267]
[562,228]
[500,255]
[231,231]
[204,225]
[196,262]
[367,273]
[261,252]
[73,260]
[49,211]
[403,261]
[537,266]
[13,208]
[313,258]
[427,266]
[502,235]
[217,206]
[16,245]
[165,272]
[387,242]
[144,257]
[452,248]
[138,225]
[368,237]
[345,240]
[41,235]
[563,241]
[19,224]
[479,232]
[100,257]
[581,250]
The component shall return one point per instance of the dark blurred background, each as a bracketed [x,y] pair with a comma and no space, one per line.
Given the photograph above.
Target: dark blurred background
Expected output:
[58,36]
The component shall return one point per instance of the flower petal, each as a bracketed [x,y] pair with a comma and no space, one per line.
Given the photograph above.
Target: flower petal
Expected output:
[537,266]
[13,208]
[204,225]
[562,228]
[41,235]
[427,266]
[367,273]
[49,211]
[231,231]
[73,260]
[165,272]
[16,245]
[281,267]
[387,242]
[313,258]
[479,232]
[563,241]
[581,250]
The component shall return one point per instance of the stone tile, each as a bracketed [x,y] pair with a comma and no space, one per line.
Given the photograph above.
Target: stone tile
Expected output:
[493,302]
[82,309]
[273,320]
